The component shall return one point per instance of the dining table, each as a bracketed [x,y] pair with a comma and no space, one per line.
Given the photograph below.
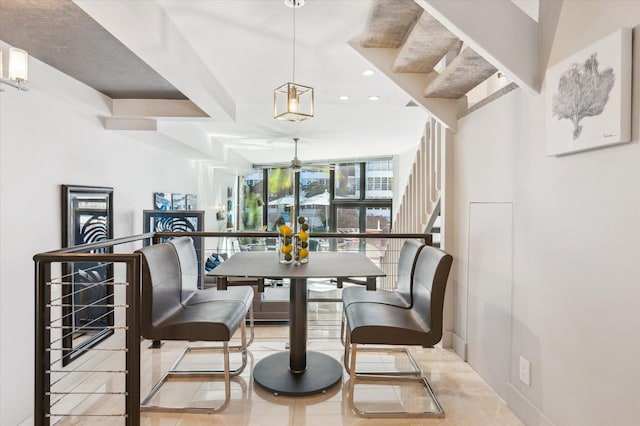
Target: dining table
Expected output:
[298,371]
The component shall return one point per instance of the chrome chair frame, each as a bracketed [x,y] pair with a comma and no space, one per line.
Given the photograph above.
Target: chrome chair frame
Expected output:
[416,375]
[174,372]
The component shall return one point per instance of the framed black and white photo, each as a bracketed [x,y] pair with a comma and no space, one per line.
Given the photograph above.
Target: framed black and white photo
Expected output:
[87,217]
[588,103]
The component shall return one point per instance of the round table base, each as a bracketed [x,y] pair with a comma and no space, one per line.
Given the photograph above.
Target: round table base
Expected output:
[322,373]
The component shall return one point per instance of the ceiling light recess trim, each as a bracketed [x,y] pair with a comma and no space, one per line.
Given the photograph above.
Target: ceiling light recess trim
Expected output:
[294,3]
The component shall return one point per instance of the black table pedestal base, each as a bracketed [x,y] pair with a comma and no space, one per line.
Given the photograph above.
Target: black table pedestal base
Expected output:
[322,373]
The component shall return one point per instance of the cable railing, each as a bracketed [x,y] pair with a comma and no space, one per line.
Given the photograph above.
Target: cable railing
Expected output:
[87,337]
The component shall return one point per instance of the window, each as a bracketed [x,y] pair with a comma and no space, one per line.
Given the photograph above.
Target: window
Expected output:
[350,197]
[280,199]
[347,180]
[251,202]
[379,176]
[315,198]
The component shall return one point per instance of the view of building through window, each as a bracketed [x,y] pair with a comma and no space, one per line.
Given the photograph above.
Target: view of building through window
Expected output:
[379,177]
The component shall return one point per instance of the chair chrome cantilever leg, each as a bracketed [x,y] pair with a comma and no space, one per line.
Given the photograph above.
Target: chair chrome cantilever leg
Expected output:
[354,377]
[174,373]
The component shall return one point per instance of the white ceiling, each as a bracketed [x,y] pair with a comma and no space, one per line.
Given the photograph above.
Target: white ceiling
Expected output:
[246,47]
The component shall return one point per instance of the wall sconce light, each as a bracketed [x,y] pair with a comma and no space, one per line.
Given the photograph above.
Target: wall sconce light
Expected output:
[18,69]
[221,212]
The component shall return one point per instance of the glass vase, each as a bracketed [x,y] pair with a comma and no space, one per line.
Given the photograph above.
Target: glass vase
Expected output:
[285,248]
[302,241]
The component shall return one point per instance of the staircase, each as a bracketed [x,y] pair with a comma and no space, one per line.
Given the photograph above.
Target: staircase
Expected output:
[422,200]
[435,67]
[444,75]
[420,209]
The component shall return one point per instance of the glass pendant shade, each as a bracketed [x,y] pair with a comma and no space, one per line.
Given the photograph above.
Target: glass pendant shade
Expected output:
[293,102]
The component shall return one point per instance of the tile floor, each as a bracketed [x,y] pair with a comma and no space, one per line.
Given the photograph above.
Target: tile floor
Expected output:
[465,397]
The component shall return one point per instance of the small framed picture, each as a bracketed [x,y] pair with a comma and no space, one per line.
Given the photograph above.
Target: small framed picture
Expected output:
[178,201]
[191,202]
[162,200]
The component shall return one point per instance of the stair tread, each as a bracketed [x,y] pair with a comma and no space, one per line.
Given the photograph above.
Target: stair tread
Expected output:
[464,73]
[427,43]
[388,23]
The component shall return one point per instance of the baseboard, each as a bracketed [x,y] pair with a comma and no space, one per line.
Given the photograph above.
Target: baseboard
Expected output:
[460,347]
[447,339]
[525,409]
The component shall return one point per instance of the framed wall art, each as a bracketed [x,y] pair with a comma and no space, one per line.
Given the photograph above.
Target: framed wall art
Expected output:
[162,200]
[191,202]
[87,217]
[178,221]
[178,201]
[588,103]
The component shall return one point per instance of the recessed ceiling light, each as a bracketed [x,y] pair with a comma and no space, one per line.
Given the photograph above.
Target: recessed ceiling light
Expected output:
[343,97]
[374,98]
[368,73]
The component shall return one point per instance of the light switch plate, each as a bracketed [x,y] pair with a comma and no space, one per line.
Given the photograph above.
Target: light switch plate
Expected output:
[525,371]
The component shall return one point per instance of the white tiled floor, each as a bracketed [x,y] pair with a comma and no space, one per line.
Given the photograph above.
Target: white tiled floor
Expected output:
[465,397]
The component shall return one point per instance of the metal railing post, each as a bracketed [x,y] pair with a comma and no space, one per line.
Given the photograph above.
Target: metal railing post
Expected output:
[132,401]
[42,340]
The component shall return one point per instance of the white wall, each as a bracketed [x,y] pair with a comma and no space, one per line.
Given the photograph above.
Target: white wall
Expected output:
[47,141]
[576,246]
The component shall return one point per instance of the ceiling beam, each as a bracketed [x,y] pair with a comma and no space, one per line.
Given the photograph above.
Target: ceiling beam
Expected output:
[159,108]
[145,29]
[497,30]
[180,138]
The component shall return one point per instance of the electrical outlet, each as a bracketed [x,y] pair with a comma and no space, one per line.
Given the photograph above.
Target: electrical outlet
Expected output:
[525,371]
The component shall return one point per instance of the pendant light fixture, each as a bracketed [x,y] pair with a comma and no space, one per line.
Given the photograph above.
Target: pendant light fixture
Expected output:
[292,101]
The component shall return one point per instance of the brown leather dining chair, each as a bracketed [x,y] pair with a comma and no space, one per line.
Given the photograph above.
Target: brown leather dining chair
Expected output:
[420,324]
[172,308]
[400,297]
[189,266]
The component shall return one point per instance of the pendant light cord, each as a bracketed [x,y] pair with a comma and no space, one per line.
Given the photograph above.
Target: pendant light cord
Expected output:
[294,42]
